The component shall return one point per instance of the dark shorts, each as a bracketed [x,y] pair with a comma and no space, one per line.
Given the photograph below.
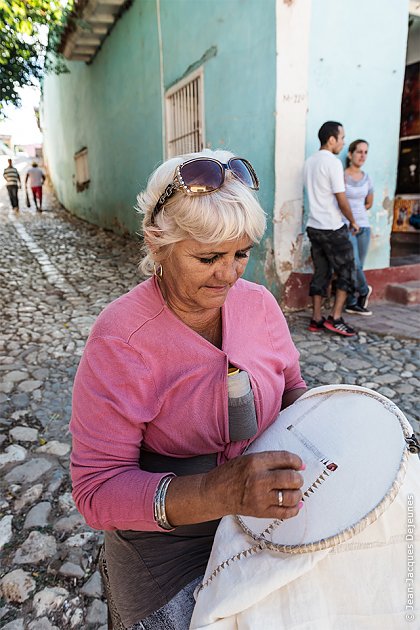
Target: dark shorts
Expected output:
[331,251]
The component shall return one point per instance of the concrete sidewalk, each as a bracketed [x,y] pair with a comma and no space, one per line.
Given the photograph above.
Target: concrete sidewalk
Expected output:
[388,318]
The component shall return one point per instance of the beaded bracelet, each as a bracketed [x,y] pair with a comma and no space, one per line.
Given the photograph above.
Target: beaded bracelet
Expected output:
[159,499]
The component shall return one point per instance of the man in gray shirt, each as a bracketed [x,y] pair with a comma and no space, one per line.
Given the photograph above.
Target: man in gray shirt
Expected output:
[36,179]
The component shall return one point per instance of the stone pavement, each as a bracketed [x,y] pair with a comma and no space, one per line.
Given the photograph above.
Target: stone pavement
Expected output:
[400,320]
[57,273]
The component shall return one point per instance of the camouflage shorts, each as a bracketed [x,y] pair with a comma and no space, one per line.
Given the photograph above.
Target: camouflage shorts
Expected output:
[331,252]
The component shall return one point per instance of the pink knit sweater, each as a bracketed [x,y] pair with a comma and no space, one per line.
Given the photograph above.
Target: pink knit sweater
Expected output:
[146,379]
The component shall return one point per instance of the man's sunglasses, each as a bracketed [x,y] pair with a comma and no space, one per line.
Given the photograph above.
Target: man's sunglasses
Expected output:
[205,175]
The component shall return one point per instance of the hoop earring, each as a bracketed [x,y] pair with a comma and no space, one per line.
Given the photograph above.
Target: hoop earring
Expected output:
[157,270]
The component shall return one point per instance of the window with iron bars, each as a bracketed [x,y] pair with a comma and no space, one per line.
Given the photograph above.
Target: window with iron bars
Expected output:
[185,116]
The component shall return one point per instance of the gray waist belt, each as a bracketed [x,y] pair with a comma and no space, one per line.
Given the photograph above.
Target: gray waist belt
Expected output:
[146,569]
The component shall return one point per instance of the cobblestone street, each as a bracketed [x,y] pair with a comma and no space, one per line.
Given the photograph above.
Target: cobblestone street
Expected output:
[57,273]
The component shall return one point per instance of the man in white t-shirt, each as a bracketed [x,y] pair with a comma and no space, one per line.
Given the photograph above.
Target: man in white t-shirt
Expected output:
[331,249]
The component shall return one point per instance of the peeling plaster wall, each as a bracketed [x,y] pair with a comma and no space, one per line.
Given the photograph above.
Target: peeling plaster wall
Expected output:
[292,43]
[340,61]
[273,73]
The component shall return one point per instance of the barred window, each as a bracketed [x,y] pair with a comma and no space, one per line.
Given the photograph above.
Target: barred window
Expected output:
[185,116]
[82,169]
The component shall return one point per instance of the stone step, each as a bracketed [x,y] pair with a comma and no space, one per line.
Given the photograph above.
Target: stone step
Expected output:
[404,292]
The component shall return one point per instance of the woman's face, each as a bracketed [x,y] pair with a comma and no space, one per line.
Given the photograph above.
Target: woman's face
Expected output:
[197,276]
[359,155]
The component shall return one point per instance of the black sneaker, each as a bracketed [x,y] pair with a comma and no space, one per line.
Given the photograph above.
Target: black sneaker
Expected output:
[355,309]
[315,326]
[364,299]
[340,327]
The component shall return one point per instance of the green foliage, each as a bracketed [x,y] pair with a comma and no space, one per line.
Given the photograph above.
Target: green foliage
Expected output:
[29,30]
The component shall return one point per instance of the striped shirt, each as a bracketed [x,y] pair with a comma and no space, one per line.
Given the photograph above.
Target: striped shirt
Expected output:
[11,176]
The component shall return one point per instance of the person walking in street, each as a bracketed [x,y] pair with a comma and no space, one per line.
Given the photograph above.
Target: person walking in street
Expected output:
[36,180]
[331,249]
[359,192]
[12,177]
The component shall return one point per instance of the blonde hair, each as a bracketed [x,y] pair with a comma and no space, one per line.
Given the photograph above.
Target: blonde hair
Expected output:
[229,213]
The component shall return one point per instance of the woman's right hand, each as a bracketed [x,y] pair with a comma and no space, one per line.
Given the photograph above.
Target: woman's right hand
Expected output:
[250,484]
[247,485]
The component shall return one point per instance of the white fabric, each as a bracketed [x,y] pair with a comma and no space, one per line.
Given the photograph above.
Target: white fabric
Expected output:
[364,583]
[334,427]
[323,177]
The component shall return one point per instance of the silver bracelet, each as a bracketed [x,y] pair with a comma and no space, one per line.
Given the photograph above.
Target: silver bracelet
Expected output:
[159,500]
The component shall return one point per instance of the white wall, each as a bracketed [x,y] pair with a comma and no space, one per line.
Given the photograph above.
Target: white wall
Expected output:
[351,70]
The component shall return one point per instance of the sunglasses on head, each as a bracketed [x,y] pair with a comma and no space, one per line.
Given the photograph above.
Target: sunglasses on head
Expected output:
[205,175]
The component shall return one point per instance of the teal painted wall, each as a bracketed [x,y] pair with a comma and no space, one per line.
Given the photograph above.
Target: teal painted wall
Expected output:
[239,83]
[113,106]
[356,73]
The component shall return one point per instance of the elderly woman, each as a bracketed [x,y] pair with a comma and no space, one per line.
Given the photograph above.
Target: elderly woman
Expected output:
[178,377]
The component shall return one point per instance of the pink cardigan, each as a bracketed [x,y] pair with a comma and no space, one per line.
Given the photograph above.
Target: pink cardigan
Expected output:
[145,378]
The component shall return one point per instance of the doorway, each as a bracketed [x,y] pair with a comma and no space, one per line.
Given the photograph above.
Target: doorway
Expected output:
[405,236]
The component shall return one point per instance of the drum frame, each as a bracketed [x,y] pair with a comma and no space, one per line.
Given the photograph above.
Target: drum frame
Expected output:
[372,515]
